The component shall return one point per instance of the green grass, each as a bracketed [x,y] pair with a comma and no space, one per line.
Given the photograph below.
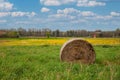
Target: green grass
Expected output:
[43,63]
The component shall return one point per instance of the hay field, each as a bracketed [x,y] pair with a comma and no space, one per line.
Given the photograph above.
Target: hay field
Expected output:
[38,59]
[57,41]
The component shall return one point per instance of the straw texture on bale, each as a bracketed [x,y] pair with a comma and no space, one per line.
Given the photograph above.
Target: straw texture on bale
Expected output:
[77,50]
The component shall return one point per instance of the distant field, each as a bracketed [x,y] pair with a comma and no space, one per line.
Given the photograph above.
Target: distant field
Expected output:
[56,41]
[38,59]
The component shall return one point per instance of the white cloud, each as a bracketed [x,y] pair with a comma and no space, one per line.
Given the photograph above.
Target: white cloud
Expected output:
[5,6]
[114,14]
[56,2]
[3,21]
[44,9]
[50,2]
[72,13]
[62,16]
[101,17]
[17,14]
[23,22]
[80,3]
[32,14]
[87,13]
[3,14]
[89,3]
[68,1]
[76,16]
[79,21]
[107,17]
[67,11]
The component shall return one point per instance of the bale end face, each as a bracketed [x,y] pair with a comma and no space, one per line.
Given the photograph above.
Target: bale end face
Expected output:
[77,50]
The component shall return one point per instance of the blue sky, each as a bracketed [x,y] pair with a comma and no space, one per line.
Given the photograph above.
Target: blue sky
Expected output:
[60,14]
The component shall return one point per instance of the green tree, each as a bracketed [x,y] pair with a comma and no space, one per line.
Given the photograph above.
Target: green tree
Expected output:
[12,34]
[48,34]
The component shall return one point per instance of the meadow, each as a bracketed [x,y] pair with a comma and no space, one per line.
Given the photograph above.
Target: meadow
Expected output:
[55,41]
[38,59]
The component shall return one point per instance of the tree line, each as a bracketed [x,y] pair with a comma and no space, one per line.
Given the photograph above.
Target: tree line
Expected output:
[21,32]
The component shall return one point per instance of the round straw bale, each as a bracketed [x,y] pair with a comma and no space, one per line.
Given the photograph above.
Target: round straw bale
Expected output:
[77,50]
